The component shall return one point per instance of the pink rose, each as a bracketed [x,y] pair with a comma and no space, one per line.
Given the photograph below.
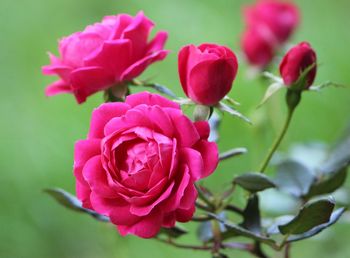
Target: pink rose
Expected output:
[280,17]
[139,163]
[207,72]
[104,54]
[294,63]
[258,49]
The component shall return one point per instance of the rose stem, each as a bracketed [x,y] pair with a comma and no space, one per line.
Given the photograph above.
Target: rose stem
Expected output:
[278,140]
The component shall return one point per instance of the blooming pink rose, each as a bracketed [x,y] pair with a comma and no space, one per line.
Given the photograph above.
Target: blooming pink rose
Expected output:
[280,17]
[258,49]
[207,72]
[104,54]
[294,63]
[139,163]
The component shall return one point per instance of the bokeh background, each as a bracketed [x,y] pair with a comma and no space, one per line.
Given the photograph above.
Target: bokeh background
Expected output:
[37,133]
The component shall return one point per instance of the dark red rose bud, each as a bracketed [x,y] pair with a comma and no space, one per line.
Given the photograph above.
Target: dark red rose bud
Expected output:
[296,61]
[259,48]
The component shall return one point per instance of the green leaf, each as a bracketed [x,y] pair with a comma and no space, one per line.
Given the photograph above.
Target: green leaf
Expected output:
[240,231]
[225,108]
[254,182]
[294,178]
[311,215]
[174,232]
[271,90]
[232,153]
[251,215]
[71,202]
[316,230]
[328,183]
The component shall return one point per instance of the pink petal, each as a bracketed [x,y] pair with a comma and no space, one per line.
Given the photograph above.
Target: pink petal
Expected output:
[150,100]
[169,220]
[203,129]
[139,66]
[95,175]
[174,201]
[114,57]
[102,115]
[56,69]
[158,42]
[58,87]
[103,205]
[138,31]
[185,132]
[194,161]
[147,227]
[185,215]
[189,198]
[210,156]
[88,80]
[121,215]
[145,210]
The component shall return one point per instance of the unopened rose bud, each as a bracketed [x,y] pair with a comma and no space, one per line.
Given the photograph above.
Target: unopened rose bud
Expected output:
[207,72]
[295,62]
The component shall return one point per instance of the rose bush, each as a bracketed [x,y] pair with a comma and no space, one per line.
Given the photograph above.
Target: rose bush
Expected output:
[294,63]
[139,163]
[207,72]
[105,54]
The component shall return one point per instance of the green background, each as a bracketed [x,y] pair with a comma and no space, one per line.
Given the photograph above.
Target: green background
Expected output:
[37,134]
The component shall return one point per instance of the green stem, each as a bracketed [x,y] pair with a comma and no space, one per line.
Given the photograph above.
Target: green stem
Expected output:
[278,140]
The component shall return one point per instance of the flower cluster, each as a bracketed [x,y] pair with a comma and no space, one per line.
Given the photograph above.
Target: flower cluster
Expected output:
[141,161]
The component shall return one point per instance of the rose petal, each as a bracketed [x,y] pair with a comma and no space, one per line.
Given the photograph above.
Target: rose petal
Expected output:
[146,98]
[102,115]
[88,80]
[147,227]
[194,161]
[158,42]
[138,67]
[210,156]
[114,57]
[58,87]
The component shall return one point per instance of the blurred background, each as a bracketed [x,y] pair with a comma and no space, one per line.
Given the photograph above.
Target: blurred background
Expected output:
[37,134]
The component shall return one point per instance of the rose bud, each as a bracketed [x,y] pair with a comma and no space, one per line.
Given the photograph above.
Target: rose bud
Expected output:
[140,161]
[259,49]
[207,72]
[104,55]
[294,63]
[280,17]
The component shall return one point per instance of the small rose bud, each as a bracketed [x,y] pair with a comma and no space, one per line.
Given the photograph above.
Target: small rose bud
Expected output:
[258,48]
[280,17]
[207,72]
[296,61]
